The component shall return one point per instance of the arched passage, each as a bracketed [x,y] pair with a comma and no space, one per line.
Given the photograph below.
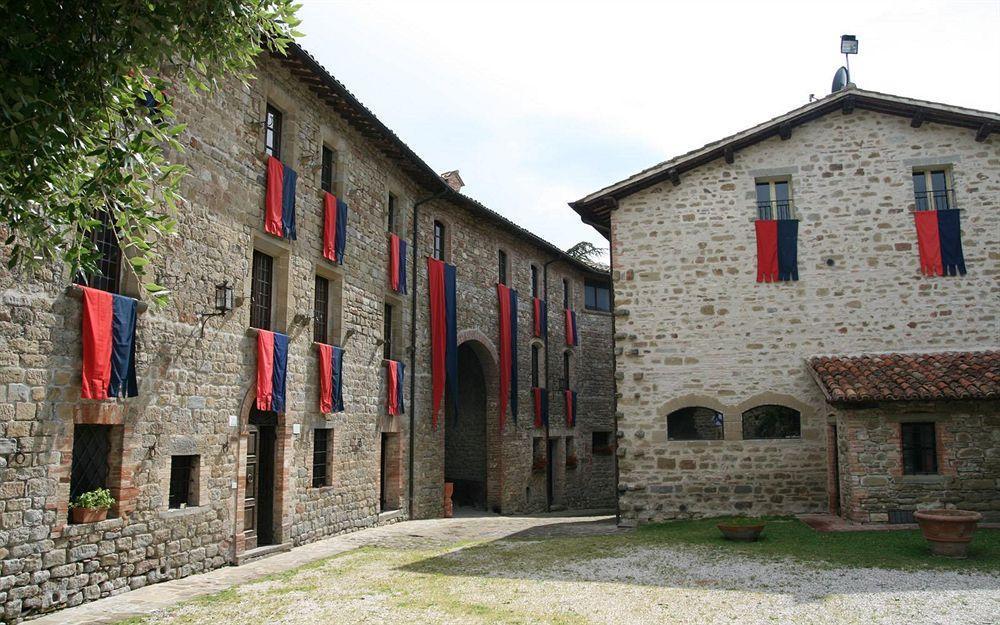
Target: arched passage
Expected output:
[466,437]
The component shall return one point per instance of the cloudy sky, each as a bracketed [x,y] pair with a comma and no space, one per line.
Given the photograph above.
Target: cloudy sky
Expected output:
[539,103]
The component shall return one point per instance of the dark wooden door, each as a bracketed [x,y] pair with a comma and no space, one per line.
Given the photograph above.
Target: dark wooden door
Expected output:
[265,486]
[550,471]
[250,500]
[381,473]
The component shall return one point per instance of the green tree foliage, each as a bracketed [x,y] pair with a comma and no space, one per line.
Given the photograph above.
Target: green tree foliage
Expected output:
[86,115]
[586,251]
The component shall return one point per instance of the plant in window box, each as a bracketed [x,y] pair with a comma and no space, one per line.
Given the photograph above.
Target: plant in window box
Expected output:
[604,450]
[572,461]
[538,466]
[92,506]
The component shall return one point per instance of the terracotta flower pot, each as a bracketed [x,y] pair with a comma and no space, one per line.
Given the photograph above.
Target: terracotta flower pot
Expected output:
[449,490]
[948,531]
[89,515]
[742,533]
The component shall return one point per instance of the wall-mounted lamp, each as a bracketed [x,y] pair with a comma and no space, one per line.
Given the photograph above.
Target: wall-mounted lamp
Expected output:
[223,303]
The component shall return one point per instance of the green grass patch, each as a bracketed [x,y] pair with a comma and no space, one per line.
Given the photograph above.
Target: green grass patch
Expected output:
[790,538]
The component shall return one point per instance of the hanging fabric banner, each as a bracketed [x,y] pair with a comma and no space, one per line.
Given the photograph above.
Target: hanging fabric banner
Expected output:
[334,228]
[541,318]
[331,378]
[395,370]
[279,199]
[541,397]
[444,335]
[777,249]
[570,397]
[451,343]
[508,352]
[572,335]
[272,368]
[939,241]
[109,324]
[397,264]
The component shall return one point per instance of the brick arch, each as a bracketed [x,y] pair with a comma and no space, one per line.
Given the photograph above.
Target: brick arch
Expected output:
[694,399]
[476,335]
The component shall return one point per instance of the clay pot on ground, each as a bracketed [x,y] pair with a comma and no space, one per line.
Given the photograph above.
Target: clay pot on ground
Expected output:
[88,515]
[949,532]
[741,532]
[449,490]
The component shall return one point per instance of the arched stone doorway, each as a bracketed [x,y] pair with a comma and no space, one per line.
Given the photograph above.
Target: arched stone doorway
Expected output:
[471,443]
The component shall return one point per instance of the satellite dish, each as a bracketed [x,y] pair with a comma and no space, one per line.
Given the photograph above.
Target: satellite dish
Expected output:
[840,80]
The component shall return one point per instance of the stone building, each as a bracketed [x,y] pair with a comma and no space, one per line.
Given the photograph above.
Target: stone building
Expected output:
[848,381]
[201,477]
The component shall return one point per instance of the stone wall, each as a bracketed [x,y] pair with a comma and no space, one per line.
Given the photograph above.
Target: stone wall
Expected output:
[695,328]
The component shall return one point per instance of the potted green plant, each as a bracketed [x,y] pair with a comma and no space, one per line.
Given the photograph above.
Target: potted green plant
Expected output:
[949,532]
[92,506]
[742,529]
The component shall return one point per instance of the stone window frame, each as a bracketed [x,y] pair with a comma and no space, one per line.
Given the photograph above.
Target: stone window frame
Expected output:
[334,275]
[331,439]
[567,293]
[943,439]
[280,252]
[180,445]
[930,200]
[333,140]
[273,95]
[535,280]
[507,269]
[398,303]
[743,413]
[533,344]
[720,426]
[568,371]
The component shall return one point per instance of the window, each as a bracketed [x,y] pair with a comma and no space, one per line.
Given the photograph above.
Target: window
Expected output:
[601,443]
[321,310]
[774,199]
[919,448]
[387,332]
[772,422]
[272,132]
[261,290]
[932,191]
[566,357]
[438,240]
[183,481]
[91,449]
[391,212]
[321,446]
[534,281]
[328,170]
[694,424]
[597,296]
[565,293]
[536,352]
[107,276]
[502,273]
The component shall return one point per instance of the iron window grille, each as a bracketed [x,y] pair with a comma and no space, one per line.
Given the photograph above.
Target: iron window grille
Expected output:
[502,269]
[535,353]
[565,293]
[931,190]
[321,444]
[107,276]
[597,296]
[261,290]
[327,173]
[321,310]
[534,281]
[91,448]
[566,358]
[774,200]
[272,132]
[182,469]
[771,422]
[387,332]
[391,209]
[919,442]
[438,240]
[695,423]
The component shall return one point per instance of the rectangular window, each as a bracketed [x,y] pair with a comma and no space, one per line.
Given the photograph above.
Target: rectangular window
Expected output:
[91,449]
[774,199]
[328,170]
[597,296]
[932,191]
[391,211]
[502,271]
[261,290]
[534,281]
[535,357]
[321,445]
[919,448]
[321,310]
[566,370]
[107,276]
[387,332]
[183,481]
[272,132]
[565,293]
[438,240]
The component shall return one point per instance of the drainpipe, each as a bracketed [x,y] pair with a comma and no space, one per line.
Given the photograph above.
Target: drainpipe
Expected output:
[545,286]
[614,360]
[413,343]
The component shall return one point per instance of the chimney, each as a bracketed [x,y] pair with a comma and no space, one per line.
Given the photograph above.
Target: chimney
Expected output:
[453,179]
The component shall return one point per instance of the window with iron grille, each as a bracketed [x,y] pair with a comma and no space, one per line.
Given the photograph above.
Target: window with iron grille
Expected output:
[107,276]
[502,273]
[321,445]
[600,440]
[183,481]
[536,352]
[932,191]
[272,132]
[328,170]
[774,199]
[321,310]
[565,293]
[566,357]
[438,240]
[387,332]
[534,281]
[772,421]
[391,210]
[919,448]
[91,448]
[695,423]
[261,290]
[597,296]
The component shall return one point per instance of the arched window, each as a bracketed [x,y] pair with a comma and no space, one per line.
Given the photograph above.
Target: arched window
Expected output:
[694,424]
[771,421]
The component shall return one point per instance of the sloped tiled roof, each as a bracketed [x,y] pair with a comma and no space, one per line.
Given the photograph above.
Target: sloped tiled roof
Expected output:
[908,377]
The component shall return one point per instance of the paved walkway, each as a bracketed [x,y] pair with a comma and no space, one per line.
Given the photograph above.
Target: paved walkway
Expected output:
[427,533]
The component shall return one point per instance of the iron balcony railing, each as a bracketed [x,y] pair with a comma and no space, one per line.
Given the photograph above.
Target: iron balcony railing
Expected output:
[939,199]
[776,209]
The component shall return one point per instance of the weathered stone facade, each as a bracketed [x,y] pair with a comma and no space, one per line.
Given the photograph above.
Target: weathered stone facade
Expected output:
[197,375]
[694,328]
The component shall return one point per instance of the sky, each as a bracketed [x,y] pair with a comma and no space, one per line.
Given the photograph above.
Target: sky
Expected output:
[540,103]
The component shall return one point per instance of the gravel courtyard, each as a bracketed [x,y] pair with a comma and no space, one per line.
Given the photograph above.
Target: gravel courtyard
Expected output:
[574,571]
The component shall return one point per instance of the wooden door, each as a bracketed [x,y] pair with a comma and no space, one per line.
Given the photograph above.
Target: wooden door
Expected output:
[252,487]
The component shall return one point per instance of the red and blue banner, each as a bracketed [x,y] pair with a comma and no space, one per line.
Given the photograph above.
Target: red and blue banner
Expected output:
[570,397]
[777,249]
[572,334]
[334,228]
[397,264]
[939,240]
[444,335]
[541,397]
[395,370]
[331,378]
[508,352]
[279,200]
[272,369]
[109,323]
[541,318]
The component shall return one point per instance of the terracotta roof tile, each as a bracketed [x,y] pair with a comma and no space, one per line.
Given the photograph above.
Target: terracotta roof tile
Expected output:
[908,377]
